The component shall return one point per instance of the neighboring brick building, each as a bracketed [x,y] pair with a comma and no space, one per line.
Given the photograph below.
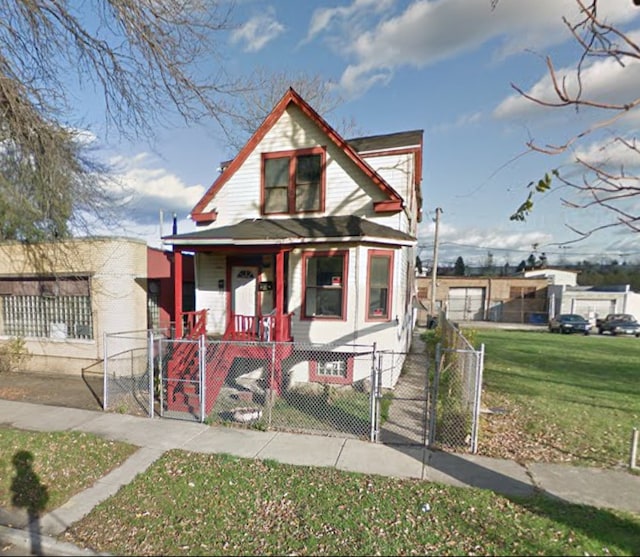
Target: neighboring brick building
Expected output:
[63,297]
[500,299]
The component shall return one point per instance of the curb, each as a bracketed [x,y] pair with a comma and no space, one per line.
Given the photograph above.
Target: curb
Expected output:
[38,544]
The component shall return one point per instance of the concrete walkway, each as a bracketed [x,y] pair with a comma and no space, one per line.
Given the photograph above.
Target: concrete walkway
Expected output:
[407,422]
[602,488]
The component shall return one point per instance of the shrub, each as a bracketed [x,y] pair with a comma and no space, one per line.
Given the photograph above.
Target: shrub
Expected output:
[13,354]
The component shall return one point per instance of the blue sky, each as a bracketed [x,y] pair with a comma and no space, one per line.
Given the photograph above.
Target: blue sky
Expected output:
[444,66]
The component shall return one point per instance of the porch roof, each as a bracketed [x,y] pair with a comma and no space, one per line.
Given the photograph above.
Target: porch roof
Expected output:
[347,228]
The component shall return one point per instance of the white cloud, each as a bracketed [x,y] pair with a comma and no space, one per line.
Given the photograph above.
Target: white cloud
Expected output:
[612,152]
[325,19]
[429,31]
[605,81]
[149,188]
[258,31]
[473,244]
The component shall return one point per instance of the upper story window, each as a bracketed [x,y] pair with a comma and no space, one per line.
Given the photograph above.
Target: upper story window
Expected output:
[293,181]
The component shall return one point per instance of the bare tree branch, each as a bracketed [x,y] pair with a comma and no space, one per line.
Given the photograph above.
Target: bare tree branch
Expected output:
[143,58]
[602,186]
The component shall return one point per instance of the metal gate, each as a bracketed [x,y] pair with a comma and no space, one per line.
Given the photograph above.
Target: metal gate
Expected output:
[436,402]
[454,413]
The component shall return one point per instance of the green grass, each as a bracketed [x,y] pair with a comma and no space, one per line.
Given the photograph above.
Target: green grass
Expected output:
[565,398]
[193,504]
[45,469]
[568,398]
[342,411]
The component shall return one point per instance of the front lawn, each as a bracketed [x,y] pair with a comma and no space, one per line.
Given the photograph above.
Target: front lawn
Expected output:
[562,398]
[43,470]
[194,504]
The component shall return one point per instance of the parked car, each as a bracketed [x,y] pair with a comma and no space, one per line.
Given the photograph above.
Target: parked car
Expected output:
[569,323]
[619,324]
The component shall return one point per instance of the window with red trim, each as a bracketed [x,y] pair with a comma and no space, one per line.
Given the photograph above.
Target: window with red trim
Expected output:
[293,181]
[379,284]
[324,284]
[333,367]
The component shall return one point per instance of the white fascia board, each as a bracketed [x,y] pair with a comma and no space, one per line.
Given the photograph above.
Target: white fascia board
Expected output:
[287,241]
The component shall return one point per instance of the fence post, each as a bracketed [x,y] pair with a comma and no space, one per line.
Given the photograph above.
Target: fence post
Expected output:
[161,366]
[434,397]
[270,382]
[373,435]
[477,397]
[105,368]
[202,373]
[151,371]
[634,449]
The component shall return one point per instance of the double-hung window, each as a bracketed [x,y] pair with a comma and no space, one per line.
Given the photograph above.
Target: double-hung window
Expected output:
[293,181]
[379,284]
[325,284]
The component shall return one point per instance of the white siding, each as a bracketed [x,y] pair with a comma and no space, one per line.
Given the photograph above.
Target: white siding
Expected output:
[398,171]
[393,335]
[348,191]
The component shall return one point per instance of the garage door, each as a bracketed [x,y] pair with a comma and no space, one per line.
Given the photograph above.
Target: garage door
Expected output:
[466,304]
[593,308]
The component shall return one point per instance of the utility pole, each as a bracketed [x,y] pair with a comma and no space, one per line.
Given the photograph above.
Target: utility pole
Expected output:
[434,269]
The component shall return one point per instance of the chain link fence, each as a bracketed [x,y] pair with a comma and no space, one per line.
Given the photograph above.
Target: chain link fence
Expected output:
[297,387]
[129,364]
[456,391]
[285,386]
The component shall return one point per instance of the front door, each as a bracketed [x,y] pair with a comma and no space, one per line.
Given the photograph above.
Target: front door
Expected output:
[244,280]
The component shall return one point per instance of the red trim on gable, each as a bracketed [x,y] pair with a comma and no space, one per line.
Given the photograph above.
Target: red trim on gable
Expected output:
[417,153]
[387,206]
[292,97]
[204,218]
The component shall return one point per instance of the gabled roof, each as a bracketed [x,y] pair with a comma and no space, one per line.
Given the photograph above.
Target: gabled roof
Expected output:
[393,202]
[347,228]
[406,141]
[387,142]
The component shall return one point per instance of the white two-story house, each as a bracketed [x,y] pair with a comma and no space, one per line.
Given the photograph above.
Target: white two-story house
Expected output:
[308,238]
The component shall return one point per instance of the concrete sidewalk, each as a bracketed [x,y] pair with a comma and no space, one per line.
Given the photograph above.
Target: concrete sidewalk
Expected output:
[614,489]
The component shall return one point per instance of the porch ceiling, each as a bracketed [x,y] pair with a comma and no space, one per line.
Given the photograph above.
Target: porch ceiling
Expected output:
[294,230]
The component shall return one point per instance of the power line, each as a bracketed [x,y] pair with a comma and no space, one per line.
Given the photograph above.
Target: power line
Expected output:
[518,250]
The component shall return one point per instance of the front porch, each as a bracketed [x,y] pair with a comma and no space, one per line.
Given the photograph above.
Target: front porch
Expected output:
[246,328]
[241,294]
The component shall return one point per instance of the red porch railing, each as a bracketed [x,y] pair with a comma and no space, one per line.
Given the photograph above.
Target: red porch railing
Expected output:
[194,323]
[256,328]
[259,328]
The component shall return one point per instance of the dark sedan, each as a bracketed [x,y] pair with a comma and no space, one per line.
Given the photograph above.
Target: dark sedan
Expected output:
[619,324]
[569,323]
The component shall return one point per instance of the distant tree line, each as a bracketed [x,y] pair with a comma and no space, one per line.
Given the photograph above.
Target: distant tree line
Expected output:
[589,273]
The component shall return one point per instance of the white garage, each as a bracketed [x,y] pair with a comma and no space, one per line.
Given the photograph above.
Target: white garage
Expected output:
[465,304]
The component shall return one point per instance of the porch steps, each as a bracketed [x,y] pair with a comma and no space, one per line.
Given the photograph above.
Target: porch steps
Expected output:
[183,393]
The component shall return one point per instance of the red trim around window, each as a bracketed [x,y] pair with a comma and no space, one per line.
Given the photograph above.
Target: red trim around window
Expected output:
[379,253]
[293,155]
[315,377]
[345,280]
